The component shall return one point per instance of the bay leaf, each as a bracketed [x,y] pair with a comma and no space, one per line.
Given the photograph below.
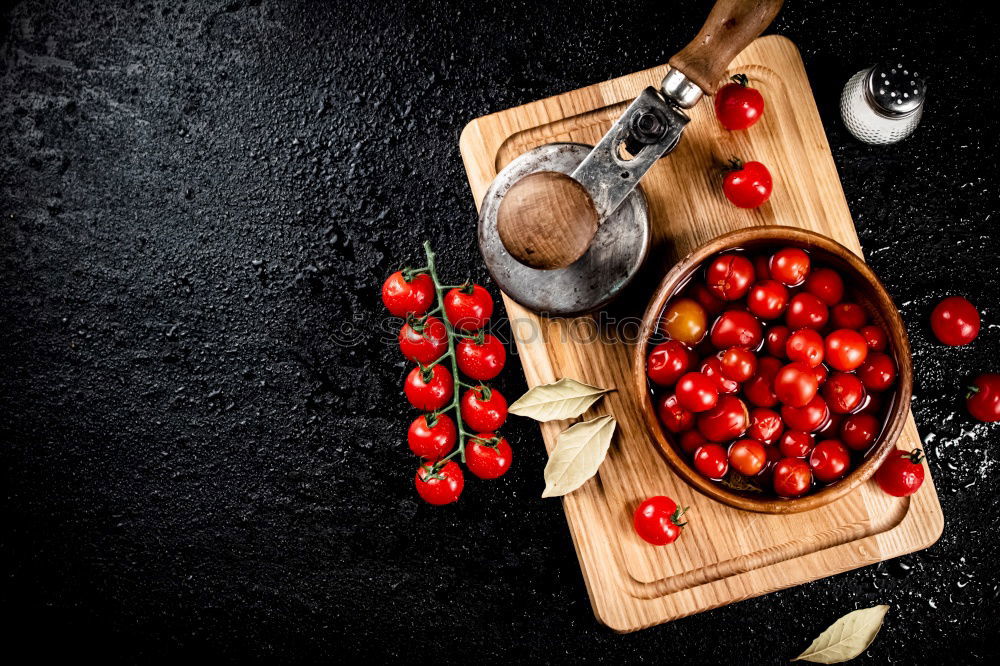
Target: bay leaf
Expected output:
[847,637]
[564,399]
[579,452]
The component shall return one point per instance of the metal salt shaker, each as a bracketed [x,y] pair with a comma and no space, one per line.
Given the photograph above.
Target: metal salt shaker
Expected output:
[883,104]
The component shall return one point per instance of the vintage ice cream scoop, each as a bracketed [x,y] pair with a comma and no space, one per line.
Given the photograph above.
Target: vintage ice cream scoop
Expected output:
[563,228]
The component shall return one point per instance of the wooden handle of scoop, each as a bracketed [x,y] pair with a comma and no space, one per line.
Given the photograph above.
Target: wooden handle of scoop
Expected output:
[729,28]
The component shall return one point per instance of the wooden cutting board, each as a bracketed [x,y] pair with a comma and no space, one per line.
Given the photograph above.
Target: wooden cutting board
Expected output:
[725,554]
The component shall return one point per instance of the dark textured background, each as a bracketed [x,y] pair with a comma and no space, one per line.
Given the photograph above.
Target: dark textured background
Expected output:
[200,199]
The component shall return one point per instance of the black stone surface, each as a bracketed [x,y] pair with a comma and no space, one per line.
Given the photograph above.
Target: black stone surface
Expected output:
[201,425]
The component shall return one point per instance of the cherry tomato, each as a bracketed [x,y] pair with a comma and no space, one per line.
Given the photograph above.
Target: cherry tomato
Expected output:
[690,440]
[468,308]
[859,431]
[483,408]
[983,400]
[711,367]
[711,461]
[658,521]
[873,404]
[845,350]
[432,436]
[761,267]
[759,390]
[805,345]
[795,384]
[729,276]
[408,297]
[423,342]
[667,362]
[685,321]
[844,393]
[738,106]
[777,341]
[442,486]
[826,285]
[712,304]
[848,315]
[878,372]
[481,361]
[821,374]
[806,311]
[790,266]
[768,299]
[792,477]
[488,456]
[673,417]
[738,363]
[955,321]
[765,425]
[429,389]
[747,456]
[901,474]
[796,444]
[875,337]
[726,421]
[736,328]
[829,460]
[696,392]
[747,185]
[809,418]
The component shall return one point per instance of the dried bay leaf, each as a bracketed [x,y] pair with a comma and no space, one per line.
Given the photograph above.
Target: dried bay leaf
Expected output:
[847,637]
[579,452]
[564,399]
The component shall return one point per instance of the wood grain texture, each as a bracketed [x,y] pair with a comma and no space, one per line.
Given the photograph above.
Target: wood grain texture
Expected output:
[726,554]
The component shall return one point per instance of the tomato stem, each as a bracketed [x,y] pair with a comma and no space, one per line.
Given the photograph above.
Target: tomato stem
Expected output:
[740,79]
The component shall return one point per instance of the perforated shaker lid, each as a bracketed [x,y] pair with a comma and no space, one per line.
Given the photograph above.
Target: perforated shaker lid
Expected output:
[895,88]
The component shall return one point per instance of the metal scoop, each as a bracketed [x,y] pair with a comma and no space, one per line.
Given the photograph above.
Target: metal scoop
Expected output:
[563,228]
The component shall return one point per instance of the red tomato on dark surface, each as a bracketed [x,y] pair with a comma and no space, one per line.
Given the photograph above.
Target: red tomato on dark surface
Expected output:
[696,392]
[468,308]
[805,345]
[481,361]
[810,418]
[658,521]
[955,321]
[711,367]
[486,458]
[859,431]
[795,384]
[776,341]
[429,390]
[413,297]
[848,315]
[747,456]
[483,408]
[747,185]
[767,299]
[690,440]
[711,461]
[736,328]
[673,417]
[729,276]
[875,337]
[667,362]
[737,106]
[829,460]
[843,392]
[901,474]
[759,390]
[878,372]
[432,436]
[441,487]
[790,266]
[792,477]
[765,425]
[796,444]
[826,285]
[845,350]
[983,400]
[423,342]
[726,421]
[806,311]
[738,363]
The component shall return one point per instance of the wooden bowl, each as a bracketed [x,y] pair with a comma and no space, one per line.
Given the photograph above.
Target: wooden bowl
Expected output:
[866,289]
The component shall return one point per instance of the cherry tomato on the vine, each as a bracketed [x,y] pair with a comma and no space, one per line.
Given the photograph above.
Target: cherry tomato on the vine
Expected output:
[685,320]
[423,341]
[696,392]
[429,389]
[848,315]
[829,460]
[901,474]
[736,328]
[806,311]
[955,321]
[790,266]
[711,461]
[768,299]
[747,185]
[481,360]
[667,362]
[792,477]
[726,421]
[983,399]
[737,106]
[404,297]
[658,520]
[845,350]
[858,431]
[843,392]
[826,285]
[468,308]
[432,436]
[795,384]
[487,455]
[738,363]
[729,276]
[442,486]
[747,456]
[878,372]
[673,417]
[805,345]
[483,408]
